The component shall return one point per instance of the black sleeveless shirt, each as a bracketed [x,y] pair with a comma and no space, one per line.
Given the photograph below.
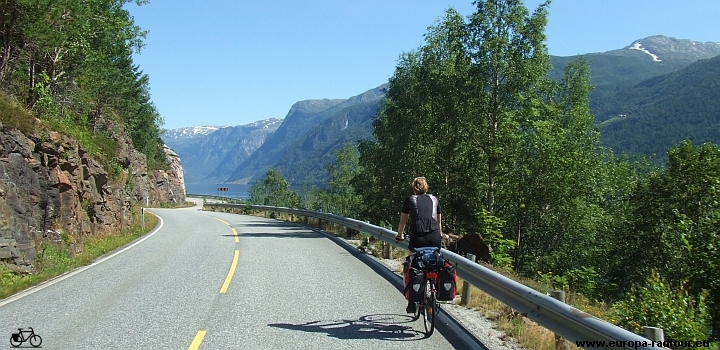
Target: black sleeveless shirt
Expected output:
[423,210]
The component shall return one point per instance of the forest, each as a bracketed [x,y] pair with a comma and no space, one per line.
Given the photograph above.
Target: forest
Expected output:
[515,156]
[69,62]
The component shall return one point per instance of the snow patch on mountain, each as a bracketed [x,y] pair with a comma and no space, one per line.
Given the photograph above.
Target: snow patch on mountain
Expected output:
[638,46]
[192,132]
[265,123]
[200,130]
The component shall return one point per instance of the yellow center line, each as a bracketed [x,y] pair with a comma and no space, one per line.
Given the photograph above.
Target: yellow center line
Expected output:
[230,274]
[198,339]
[223,221]
[237,238]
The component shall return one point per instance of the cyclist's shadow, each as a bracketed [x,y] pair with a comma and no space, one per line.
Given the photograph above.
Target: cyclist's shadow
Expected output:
[380,326]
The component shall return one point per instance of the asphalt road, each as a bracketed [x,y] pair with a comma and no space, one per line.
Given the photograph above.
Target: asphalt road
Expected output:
[220,281]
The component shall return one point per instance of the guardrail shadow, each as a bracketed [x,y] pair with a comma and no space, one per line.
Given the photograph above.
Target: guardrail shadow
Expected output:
[280,235]
[389,327]
[283,224]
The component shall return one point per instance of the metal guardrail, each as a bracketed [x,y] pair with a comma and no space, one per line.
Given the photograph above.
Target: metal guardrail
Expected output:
[565,320]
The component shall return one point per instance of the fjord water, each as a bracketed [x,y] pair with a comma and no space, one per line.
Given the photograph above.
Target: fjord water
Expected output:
[233,190]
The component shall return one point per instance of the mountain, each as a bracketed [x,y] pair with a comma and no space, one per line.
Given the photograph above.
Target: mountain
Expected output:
[178,137]
[666,49]
[209,154]
[657,113]
[305,160]
[303,117]
[615,71]
[657,86]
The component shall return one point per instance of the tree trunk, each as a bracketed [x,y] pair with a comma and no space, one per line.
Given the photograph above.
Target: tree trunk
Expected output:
[31,87]
[8,29]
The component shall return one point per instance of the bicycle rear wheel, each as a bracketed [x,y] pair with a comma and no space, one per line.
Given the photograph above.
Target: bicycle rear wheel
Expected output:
[430,310]
[14,343]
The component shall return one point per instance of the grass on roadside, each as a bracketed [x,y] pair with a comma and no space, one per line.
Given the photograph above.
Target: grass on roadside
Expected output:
[54,259]
[528,333]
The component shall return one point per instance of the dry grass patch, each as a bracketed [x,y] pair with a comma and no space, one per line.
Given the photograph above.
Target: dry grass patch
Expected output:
[528,333]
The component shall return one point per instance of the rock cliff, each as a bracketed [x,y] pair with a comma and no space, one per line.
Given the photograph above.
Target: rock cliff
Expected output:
[51,189]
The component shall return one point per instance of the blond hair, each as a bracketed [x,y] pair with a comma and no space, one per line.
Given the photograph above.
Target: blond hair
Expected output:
[420,185]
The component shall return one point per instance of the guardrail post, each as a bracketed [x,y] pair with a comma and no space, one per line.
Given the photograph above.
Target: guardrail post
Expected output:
[560,343]
[292,217]
[654,333]
[465,296]
[387,253]
[320,224]
[306,220]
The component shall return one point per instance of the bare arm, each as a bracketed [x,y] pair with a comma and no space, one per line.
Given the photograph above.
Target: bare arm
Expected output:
[401,227]
[439,220]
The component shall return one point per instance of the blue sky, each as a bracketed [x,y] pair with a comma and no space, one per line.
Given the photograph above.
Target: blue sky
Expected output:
[233,62]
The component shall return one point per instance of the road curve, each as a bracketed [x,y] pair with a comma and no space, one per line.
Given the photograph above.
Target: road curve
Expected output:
[221,281]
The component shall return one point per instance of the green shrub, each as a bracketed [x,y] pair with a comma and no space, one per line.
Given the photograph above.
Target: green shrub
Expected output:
[655,304]
[490,228]
[553,281]
[583,280]
[115,169]
[13,115]
[45,106]
[7,277]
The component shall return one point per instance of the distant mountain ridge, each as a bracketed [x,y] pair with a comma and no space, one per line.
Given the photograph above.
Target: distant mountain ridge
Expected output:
[303,117]
[205,151]
[656,114]
[175,136]
[630,83]
[617,70]
[663,48]
[305,160]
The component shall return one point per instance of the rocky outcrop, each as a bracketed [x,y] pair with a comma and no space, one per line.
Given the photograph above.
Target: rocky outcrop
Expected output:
[53,189]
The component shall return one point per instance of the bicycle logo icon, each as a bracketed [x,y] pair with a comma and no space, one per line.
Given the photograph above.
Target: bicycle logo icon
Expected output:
[16,339]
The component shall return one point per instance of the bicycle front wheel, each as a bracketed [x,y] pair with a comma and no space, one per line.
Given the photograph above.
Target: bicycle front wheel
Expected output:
[418,311]
[35,341]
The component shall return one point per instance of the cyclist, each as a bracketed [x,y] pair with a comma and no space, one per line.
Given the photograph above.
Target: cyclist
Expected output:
[425,221]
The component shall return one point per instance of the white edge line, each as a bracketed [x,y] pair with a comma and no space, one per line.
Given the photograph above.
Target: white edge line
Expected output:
[67,275]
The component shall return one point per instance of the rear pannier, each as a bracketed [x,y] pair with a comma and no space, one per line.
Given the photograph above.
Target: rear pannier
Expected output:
[447,283]
[414,279]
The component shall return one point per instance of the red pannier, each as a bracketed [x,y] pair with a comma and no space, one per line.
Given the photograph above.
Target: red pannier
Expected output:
[447,283]
[414,279]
